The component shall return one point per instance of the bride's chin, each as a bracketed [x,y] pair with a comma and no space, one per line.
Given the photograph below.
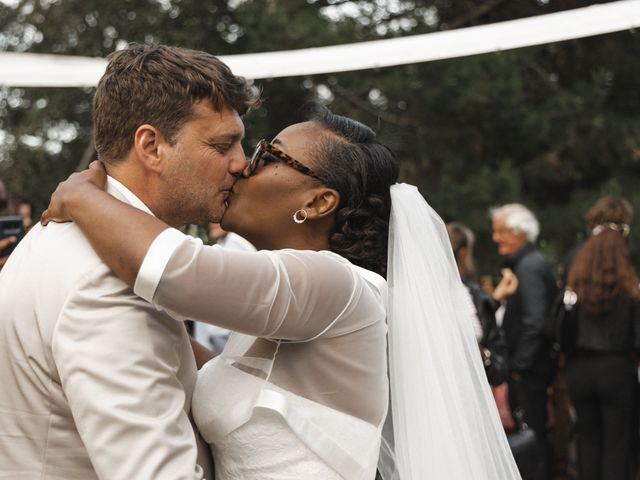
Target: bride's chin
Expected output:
[226,222]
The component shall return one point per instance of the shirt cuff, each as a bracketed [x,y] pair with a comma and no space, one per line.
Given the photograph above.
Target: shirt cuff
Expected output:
[155,261]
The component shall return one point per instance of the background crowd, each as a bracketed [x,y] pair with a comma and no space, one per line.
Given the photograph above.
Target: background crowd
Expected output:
[564,360]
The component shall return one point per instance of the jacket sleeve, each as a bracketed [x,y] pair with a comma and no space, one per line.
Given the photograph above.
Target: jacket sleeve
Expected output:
[496,366]
[288,294]
[533,294]
[118,360]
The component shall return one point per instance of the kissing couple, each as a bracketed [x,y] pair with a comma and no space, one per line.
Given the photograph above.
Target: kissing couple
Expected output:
[351,355]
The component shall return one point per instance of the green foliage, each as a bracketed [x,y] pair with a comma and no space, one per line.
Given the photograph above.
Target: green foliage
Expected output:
[553,126]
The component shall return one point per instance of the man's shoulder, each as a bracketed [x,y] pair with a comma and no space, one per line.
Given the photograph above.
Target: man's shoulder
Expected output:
[533,260]
[54,233]
[50,262]
[64,244]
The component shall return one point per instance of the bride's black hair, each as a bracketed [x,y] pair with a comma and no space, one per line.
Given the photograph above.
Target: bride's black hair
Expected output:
[362,170]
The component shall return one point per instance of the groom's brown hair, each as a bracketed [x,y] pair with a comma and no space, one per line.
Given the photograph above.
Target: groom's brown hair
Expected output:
[158,85]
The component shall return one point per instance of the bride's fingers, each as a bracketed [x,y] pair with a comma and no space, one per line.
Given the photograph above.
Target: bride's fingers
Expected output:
[45,218]
[55,211]
[95,174]
[48,216]
[74,185]
[97,165]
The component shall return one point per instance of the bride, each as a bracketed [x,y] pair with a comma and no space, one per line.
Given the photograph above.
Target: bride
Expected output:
[352,350]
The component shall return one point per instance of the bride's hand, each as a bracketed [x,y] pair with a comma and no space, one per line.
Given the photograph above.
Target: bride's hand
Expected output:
[75,188]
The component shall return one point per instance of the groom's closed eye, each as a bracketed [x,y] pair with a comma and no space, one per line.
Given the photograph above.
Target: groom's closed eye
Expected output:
[223,143]
[221,147]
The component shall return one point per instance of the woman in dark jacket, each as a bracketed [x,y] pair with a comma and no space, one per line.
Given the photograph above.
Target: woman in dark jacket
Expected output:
[602,368]
[490,337]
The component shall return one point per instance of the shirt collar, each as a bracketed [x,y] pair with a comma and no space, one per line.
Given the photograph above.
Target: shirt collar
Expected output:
[115,185]
[515,259]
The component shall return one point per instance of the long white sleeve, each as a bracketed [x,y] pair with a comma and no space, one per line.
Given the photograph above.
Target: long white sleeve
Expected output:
[286,294]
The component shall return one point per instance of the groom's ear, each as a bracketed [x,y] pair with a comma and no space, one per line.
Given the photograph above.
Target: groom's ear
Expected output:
[149,144]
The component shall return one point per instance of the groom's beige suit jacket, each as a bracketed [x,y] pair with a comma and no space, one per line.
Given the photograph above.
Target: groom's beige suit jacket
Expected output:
[95,382]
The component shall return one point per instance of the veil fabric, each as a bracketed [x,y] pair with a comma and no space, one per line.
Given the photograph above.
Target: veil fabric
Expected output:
[443,422]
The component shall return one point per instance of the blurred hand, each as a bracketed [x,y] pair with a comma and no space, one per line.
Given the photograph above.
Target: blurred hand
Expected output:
[507,286]
[501,396]
[4,243]
[72,188]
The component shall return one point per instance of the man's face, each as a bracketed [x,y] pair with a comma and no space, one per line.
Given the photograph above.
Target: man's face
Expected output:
[202,166]
[24,210]
[509,243]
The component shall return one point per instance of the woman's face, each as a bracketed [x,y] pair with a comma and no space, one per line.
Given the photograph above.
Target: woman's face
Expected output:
[261,206]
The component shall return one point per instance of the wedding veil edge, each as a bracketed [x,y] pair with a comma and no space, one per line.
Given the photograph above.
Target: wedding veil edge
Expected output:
[442,421]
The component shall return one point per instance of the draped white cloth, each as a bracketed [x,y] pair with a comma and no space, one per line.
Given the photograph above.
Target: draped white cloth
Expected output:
[444,422]
[25,69]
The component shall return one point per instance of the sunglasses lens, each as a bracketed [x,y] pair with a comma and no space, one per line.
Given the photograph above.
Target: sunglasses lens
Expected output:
[255,158]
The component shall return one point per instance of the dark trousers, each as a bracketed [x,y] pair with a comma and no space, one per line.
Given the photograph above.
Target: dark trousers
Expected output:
[603,390]
[529,394]
[562,426]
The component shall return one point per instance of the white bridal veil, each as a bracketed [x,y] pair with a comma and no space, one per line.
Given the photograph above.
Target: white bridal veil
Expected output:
[443,420]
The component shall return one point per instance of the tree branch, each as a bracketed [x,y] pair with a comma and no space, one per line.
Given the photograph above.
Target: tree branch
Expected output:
[471,15]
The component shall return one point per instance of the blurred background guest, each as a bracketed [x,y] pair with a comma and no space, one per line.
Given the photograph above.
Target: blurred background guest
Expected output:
[490,337]
[4,207]
[602,367]
[25,210]
[531,369]
[4,199]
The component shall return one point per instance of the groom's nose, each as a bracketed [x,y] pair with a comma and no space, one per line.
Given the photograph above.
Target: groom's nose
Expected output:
[238,161]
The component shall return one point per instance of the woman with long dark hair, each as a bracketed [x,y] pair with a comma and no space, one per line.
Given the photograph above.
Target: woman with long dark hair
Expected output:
[601,370]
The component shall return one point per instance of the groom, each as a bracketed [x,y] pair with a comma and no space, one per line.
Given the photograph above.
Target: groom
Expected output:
[96,383]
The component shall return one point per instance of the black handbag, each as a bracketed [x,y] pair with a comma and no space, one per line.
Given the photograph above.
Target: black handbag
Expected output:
[523,445]
[493,344]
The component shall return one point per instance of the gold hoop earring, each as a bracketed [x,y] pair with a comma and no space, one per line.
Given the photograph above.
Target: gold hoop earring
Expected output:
[300,216]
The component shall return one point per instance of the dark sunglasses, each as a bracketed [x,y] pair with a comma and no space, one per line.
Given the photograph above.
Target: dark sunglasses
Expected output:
[266,152]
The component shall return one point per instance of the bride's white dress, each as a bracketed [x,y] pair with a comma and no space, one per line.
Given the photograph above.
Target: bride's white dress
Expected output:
[300,390]
[263,444]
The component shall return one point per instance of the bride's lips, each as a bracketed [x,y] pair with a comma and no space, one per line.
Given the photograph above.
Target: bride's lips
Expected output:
[230,194]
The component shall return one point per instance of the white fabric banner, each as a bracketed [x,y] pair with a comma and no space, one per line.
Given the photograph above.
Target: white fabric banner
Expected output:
[39,70]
